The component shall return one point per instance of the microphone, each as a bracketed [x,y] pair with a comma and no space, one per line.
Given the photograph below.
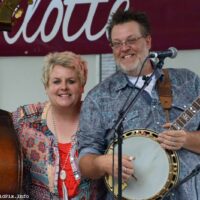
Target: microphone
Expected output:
[171,53]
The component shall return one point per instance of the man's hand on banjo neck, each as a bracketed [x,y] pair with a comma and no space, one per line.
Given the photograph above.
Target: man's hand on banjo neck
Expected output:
[177,139]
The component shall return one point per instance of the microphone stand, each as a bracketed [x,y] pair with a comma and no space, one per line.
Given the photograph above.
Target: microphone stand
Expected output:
[194,172]
[118,126]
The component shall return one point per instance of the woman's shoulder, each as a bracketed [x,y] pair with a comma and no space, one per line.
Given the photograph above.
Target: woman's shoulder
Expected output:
[29,111]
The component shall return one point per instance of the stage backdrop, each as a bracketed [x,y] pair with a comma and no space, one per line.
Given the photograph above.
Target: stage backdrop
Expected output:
[80,25]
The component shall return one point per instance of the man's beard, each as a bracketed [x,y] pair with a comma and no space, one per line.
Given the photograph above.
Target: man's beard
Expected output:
[133,69]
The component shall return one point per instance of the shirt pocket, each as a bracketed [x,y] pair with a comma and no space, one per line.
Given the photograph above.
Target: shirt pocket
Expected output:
[111,134]
[131,121]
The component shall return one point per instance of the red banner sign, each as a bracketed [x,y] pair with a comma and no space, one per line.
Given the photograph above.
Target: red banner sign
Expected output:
[80,26]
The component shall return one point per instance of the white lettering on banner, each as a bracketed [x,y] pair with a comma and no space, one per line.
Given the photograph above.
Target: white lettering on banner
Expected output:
[66,16]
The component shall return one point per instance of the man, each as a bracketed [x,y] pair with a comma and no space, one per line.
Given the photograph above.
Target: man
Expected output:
[130,38]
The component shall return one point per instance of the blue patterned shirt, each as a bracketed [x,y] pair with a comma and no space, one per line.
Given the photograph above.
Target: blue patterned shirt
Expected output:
[101,109]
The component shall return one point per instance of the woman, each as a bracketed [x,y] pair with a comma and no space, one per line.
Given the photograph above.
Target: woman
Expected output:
[46,131]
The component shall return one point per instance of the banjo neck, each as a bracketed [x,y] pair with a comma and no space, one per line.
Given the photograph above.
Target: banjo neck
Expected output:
[186,116]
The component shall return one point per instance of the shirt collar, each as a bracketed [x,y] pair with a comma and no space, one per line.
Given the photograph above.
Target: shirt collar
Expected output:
[121,79]
[45,110]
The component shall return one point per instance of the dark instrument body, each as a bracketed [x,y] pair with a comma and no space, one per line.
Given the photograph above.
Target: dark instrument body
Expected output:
[11,159]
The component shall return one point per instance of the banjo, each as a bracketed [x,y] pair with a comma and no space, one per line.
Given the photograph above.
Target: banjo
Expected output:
[156,169]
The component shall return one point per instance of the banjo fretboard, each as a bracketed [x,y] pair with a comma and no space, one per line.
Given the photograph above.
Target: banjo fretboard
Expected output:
[185,117]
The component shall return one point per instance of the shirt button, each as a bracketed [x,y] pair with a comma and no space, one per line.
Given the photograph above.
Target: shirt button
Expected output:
[77,176]
[157,122]
[173,194]
[71,158]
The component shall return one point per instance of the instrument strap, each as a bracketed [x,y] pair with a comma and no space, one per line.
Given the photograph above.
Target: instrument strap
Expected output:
[165,93]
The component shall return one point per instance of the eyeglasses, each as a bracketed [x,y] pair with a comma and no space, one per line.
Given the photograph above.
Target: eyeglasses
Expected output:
[128,42]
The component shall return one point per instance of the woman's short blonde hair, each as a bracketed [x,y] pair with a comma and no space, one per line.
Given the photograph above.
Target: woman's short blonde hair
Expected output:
[66,59]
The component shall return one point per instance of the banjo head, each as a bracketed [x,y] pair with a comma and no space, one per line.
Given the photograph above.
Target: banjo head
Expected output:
[155,168]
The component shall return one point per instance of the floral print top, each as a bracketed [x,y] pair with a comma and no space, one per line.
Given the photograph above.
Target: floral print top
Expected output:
[41,154]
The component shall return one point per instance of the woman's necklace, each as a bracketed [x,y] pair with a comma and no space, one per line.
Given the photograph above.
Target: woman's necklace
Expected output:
[62,174]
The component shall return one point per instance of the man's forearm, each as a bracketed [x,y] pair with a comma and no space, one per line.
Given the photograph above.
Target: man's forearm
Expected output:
[193,142]
[91,166]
